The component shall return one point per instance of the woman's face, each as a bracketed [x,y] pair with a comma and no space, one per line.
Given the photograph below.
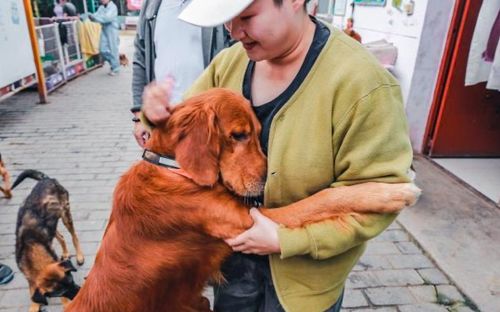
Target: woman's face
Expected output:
[264,28]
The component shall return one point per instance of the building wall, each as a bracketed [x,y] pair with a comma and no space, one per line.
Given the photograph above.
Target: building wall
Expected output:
[420,39]
[429,57]
[375,23]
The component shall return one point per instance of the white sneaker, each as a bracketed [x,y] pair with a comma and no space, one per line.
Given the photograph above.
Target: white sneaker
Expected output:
[112,73]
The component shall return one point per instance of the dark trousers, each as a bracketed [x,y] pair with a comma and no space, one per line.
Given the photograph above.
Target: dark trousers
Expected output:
[249,287]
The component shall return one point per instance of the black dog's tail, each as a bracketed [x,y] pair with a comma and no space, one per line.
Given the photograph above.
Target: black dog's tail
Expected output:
[30,173]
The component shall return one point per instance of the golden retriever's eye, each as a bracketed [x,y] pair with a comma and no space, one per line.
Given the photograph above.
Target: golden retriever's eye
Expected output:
[239,136]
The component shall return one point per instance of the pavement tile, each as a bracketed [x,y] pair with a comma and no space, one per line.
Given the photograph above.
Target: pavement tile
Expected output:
[408,248]
[397,277]
[425,293]
[373,262]
[390,296]
[384,309]
[448,294]
[362,279]
[423,307]
[15,298]
[393,236]
[433,276]
[354,299]
[381,248]
[410,261]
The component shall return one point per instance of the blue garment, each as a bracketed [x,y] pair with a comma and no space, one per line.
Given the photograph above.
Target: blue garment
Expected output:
[107,16]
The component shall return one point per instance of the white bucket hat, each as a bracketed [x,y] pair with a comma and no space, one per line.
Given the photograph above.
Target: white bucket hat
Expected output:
[209,13]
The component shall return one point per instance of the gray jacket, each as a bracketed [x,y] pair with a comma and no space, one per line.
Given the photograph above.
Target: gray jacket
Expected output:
[213,40]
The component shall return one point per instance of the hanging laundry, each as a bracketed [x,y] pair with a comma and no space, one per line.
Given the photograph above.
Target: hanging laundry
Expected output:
[89,34]
[492,44]
[482,49]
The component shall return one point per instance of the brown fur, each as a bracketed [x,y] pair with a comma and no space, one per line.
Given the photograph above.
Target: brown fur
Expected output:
[123,60]
[6,190]
[164,238]
[35,231]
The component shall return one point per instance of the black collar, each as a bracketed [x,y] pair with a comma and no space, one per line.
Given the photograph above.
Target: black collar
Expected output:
[159,160]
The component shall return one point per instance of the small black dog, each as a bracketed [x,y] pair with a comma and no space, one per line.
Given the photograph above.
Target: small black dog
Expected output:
[6,180]
[36,228]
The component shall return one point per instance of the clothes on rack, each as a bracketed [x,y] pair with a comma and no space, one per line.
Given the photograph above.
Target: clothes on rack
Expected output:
[89,34]
[484,61]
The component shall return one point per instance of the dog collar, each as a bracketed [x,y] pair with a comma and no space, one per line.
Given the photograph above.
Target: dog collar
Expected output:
[164,161]
[160,160]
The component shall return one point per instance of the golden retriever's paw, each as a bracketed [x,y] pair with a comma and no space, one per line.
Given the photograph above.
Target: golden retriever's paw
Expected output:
[415,193]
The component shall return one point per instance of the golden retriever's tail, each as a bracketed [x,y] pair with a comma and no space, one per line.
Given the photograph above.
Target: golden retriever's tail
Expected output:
[30,173]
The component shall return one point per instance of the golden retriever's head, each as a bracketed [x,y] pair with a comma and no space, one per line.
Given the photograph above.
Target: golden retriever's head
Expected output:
[55,280]
[216,135]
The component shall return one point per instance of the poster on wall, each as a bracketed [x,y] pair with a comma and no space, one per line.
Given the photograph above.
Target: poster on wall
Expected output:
[16,55]
[370,2]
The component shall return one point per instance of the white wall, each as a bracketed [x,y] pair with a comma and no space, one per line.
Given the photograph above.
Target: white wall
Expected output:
[429,58]
[15,63]
[375,23]
[420,39]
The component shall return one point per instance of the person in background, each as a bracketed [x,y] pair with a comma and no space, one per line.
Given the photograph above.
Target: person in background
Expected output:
[331,117]
[178,50]
[107,16]
[349,30]
[58,9]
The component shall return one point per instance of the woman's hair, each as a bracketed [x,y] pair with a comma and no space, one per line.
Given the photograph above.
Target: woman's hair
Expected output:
[280,2]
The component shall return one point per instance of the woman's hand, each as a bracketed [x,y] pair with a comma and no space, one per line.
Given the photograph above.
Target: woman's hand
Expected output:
[261,238]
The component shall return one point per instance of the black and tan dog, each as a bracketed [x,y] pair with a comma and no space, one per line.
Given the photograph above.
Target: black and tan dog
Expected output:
[36,228]
[6,190]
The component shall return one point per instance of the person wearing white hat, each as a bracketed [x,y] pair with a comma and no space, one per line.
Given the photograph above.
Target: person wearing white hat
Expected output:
[331,117]
[166,47]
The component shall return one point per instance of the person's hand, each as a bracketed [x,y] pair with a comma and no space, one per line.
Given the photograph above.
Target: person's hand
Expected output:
[260,239]
[91,17]
[141,134]
[156,101]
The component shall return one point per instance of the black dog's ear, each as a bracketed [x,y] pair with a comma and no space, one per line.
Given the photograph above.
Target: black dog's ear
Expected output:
[67,265]
[39,298]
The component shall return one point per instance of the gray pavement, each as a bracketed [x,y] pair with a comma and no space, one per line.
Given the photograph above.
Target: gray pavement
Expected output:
[83,138]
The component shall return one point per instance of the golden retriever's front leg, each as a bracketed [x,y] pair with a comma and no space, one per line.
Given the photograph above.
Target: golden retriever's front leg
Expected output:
[370,197]
[227,218]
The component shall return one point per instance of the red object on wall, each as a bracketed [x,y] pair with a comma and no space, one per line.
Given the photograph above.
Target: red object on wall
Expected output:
[134,5]
[464,121]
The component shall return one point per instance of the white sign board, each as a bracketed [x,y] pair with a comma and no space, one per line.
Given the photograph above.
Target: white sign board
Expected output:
[16,55]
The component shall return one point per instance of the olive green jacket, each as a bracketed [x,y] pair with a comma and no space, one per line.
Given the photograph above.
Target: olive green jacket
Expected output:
[345,124]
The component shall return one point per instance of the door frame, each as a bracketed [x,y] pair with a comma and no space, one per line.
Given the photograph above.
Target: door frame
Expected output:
[447,66]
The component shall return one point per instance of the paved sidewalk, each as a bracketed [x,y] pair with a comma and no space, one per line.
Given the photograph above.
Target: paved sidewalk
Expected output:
[83,138]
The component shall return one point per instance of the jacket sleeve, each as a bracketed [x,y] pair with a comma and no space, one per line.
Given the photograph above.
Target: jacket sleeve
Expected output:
[106,16]
[139,79]
[371,143]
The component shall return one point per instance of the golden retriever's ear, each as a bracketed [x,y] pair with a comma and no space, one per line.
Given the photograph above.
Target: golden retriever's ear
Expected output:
[198,147]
